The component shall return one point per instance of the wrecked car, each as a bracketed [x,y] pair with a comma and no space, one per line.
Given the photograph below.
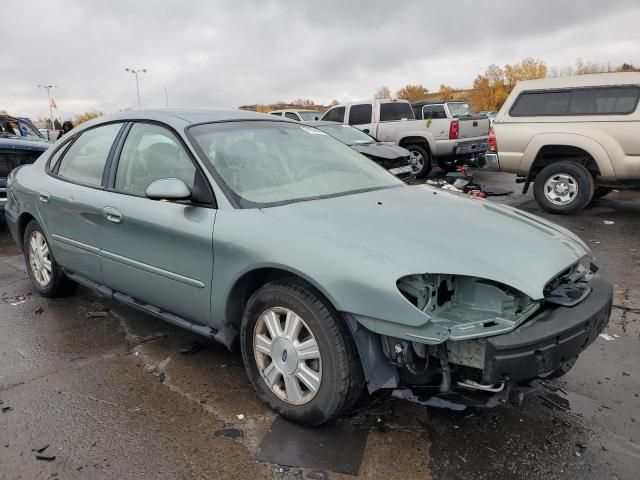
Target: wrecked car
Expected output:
[274,236]
[20,143]
[388,155]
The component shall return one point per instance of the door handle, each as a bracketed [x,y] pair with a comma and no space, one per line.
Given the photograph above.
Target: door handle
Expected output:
[113,215]
[43,197]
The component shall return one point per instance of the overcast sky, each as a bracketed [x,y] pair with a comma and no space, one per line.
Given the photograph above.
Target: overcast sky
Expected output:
[228,53]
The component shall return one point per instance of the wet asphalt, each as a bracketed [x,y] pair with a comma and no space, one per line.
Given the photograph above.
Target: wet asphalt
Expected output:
[94,390]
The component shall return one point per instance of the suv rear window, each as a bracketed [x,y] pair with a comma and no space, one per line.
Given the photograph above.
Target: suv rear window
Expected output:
[621,100]
[392,111]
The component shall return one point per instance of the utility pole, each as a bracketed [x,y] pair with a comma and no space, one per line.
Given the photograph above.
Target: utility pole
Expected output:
[166,97]
[136,72]
[48,89]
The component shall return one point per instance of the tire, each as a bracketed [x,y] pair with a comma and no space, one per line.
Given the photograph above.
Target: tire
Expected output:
[339,380]
[564,187]
[601,192]
[39,259]
[447,164]
[423,158]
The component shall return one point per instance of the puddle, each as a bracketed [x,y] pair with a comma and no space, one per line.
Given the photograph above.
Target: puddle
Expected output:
[329,447]
[572,402]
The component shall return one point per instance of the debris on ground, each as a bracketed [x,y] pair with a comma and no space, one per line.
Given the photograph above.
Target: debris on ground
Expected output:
[97,314]
[39,311]
[191,348]
[462,182]
[6,409]
[608,222]
[240,416]
[317,475]
[233,433]
[151,338]
[45,456]
[40,447]
[19,300]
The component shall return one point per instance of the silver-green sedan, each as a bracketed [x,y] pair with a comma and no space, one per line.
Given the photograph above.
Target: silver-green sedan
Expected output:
[331,274]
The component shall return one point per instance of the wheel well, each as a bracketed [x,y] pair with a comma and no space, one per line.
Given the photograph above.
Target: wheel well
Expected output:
[415,141]
[23,221]
[555,153]
[250,282]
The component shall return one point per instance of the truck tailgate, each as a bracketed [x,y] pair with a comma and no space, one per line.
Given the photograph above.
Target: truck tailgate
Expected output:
[471,127]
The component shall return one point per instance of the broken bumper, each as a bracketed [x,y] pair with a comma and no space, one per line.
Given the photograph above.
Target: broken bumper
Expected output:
[546,343]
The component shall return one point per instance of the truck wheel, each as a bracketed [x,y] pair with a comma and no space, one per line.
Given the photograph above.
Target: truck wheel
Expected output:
[601,192]
[563,187]
[298,354]
[46,276]
[422,159]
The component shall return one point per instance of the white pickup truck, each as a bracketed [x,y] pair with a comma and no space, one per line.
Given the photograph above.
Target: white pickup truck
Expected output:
[394,121]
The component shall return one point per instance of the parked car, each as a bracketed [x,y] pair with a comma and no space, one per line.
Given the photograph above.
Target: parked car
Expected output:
[394,121]
[575,138]
[472,131]
[386,154]
[20,143]
[318,263]
[49,135]
[301,115]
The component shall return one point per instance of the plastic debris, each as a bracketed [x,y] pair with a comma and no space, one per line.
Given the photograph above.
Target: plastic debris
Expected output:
[19,301]
[317,475]
[6,409]
[40,447]
[606,336]
[240,416]
[608,222]
[39,311]
[234,433]
[191,348]
[97,314]
[45,456]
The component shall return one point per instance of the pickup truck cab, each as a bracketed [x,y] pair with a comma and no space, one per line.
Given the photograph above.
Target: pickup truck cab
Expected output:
[466,135]
[575,138]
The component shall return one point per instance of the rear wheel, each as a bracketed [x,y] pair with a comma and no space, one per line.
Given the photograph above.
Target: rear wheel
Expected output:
[421,158]
[563,187]
[47,278]
[298,354]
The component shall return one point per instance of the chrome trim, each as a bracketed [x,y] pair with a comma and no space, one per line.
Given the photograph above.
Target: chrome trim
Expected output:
[151,269]
[75,243]
[492,162]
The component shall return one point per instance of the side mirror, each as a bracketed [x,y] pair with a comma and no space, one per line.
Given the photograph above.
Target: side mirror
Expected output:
[168,189]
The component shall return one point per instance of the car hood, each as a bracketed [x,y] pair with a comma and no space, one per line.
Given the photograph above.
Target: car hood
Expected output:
[21,144]
[432,231]
[381,150]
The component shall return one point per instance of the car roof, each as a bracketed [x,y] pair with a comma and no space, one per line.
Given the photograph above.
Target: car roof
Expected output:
[180,118]
[294,110]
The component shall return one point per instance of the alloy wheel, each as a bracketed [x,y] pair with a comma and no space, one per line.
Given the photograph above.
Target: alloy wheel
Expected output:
[561,189]
[287,355]
[40,259]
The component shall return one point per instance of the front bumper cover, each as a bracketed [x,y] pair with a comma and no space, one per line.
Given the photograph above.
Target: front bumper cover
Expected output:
[547,342]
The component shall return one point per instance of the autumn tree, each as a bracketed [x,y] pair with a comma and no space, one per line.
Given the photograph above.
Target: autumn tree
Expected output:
[304,103]
[412,93]
[446,92]
[86,116]
[527,69]
[3,112]
[261,108]
[382,93]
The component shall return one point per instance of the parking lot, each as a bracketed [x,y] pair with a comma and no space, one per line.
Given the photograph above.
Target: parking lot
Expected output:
[98,390]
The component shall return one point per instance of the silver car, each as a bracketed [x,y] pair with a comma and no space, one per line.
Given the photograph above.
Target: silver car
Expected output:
[257,230]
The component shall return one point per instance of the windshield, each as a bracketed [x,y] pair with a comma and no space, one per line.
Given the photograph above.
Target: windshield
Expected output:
[10,127]
[267,163]
[459,110]
[310,116]
[347,134]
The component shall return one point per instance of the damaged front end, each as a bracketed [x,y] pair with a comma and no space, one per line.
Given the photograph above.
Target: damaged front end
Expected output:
[499,342]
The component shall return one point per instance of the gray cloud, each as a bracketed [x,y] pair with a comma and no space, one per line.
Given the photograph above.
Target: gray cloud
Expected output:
[227,53]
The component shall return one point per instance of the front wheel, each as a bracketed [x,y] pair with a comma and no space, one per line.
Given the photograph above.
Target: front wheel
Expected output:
[564,187]
[298,354]
[47,278]
[421,158]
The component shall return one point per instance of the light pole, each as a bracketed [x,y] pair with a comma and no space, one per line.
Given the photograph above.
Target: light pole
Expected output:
[136,72]
[48,89]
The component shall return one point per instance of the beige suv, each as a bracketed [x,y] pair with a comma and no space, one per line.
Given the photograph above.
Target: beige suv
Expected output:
[576,138]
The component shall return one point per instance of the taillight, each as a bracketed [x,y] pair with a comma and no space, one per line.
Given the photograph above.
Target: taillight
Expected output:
[454,130]
[493,143]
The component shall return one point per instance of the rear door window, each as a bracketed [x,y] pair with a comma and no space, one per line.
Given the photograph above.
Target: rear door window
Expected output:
[580,101]
[335,115]
[85,159]
[292,116]
[393,111]
[437,111]
[360,114]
